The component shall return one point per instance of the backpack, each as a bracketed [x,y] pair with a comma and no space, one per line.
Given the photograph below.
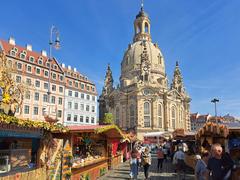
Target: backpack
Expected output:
[145,159]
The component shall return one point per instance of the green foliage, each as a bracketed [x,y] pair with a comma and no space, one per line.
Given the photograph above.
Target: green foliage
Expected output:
[102,171]
[108,118]
[35,124]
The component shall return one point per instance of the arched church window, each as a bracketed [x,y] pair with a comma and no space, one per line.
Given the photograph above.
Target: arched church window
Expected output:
[146,28]
[173,117]
[160,121]
[138,28]
[159,59]
[132,119]
[147,114]
[117,116]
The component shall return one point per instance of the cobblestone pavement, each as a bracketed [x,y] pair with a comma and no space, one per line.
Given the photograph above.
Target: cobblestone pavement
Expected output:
[167,173]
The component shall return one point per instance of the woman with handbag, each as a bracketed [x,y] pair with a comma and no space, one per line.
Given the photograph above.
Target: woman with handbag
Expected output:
[146,161]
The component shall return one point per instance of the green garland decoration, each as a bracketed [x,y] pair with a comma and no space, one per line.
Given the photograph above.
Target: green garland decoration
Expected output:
[6,119]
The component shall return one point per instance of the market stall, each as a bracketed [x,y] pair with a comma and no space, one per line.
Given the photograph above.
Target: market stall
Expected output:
[22,145]
[95,149]
[186,140]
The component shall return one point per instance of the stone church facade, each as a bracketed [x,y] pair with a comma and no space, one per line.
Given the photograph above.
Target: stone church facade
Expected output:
[143,101]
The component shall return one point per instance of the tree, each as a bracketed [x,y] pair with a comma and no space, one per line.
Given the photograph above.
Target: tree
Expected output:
[12,92]
[108,118]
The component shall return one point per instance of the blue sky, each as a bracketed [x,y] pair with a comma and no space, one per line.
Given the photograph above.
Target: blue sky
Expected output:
[204,36]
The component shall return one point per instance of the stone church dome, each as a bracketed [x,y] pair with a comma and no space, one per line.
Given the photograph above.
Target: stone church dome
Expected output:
[132,63]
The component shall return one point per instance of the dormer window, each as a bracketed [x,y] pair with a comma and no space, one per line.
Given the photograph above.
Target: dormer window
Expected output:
[31,59]
[55,67]
[15,49]
[13,53]
[40,60]
[23,55]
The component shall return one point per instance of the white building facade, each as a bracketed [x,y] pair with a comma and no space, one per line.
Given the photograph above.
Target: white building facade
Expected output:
[80,106]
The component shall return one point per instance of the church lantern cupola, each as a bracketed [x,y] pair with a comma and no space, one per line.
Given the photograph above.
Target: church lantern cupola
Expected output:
[142,27]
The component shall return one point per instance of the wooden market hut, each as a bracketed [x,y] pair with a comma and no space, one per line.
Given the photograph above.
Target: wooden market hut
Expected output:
[25,148]
[212,133]
[95,149]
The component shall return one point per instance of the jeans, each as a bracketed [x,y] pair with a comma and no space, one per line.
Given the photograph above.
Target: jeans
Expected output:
[160,162]
[146,170]
[134,170]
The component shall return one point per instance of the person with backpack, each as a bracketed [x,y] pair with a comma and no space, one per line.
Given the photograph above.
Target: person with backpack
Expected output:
[146,161]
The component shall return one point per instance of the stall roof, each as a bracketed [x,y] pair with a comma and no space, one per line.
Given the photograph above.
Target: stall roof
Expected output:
[110,130]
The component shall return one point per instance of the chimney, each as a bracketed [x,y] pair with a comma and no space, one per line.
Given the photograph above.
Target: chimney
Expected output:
[29,47]
[69,68]
[75,69]
[63,65]
[11,41]
[44,53]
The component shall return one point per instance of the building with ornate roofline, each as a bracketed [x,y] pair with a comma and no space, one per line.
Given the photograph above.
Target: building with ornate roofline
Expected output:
[144,101]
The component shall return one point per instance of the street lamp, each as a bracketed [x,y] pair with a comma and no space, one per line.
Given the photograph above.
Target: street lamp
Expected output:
[54,34]
[215,100]
[56,45]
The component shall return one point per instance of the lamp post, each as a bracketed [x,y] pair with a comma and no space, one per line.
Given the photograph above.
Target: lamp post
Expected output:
[56,45]
[215,100]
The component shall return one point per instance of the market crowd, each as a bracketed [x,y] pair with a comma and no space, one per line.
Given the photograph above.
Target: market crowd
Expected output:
[215,164]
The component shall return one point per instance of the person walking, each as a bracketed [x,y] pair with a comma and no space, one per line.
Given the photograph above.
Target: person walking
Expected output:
[146,161]
[201,167]
[160,157]
[178,159]
[215,165]
[133,164]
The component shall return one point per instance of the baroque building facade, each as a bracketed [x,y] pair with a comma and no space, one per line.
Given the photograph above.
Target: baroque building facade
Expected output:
[144,101]
[71,96]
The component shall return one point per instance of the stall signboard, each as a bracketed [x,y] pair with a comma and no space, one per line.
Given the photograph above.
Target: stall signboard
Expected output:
[9,130]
